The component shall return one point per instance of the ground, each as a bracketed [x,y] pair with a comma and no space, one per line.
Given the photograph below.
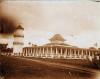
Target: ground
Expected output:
[23,68]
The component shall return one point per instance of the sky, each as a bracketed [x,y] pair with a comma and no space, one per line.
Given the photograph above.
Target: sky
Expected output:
[78,21]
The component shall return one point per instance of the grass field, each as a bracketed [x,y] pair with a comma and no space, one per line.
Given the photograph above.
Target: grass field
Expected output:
[76,62]
[16,68]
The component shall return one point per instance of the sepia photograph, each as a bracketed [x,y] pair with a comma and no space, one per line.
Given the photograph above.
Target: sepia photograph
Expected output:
[49,39]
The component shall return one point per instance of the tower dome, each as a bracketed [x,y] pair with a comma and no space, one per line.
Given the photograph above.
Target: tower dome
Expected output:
[19,31]
[20,27]
[57,38]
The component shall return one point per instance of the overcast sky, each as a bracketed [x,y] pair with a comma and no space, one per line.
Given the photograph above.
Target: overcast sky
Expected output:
[78,21]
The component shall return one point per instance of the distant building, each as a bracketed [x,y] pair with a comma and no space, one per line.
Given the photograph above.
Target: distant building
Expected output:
[57,48]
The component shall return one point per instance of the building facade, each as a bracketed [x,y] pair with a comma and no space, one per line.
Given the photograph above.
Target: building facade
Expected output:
[57,48]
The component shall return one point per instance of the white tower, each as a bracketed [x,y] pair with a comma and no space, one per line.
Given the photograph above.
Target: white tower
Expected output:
[18,40]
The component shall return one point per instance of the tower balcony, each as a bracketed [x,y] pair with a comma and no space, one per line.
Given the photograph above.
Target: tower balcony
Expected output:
[18,43]
[17,35]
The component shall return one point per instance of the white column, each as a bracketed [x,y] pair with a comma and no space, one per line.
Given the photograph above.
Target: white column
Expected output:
[92,54]
[31,52]
[26,52]
[65,53]
[78,53]
[37,52]
[89,54]
[82,54]
[46,52]
[43,52]
[23,52]
[40,52]
[34,52]
[51,53]
[70,53]
[85,54]
[75,53]
[28,49]
[56,52]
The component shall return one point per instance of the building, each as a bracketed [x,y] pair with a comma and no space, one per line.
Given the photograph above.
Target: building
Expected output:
[18,40]
[57,48]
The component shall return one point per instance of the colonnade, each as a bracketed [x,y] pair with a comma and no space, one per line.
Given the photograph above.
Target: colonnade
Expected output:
[58,52]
